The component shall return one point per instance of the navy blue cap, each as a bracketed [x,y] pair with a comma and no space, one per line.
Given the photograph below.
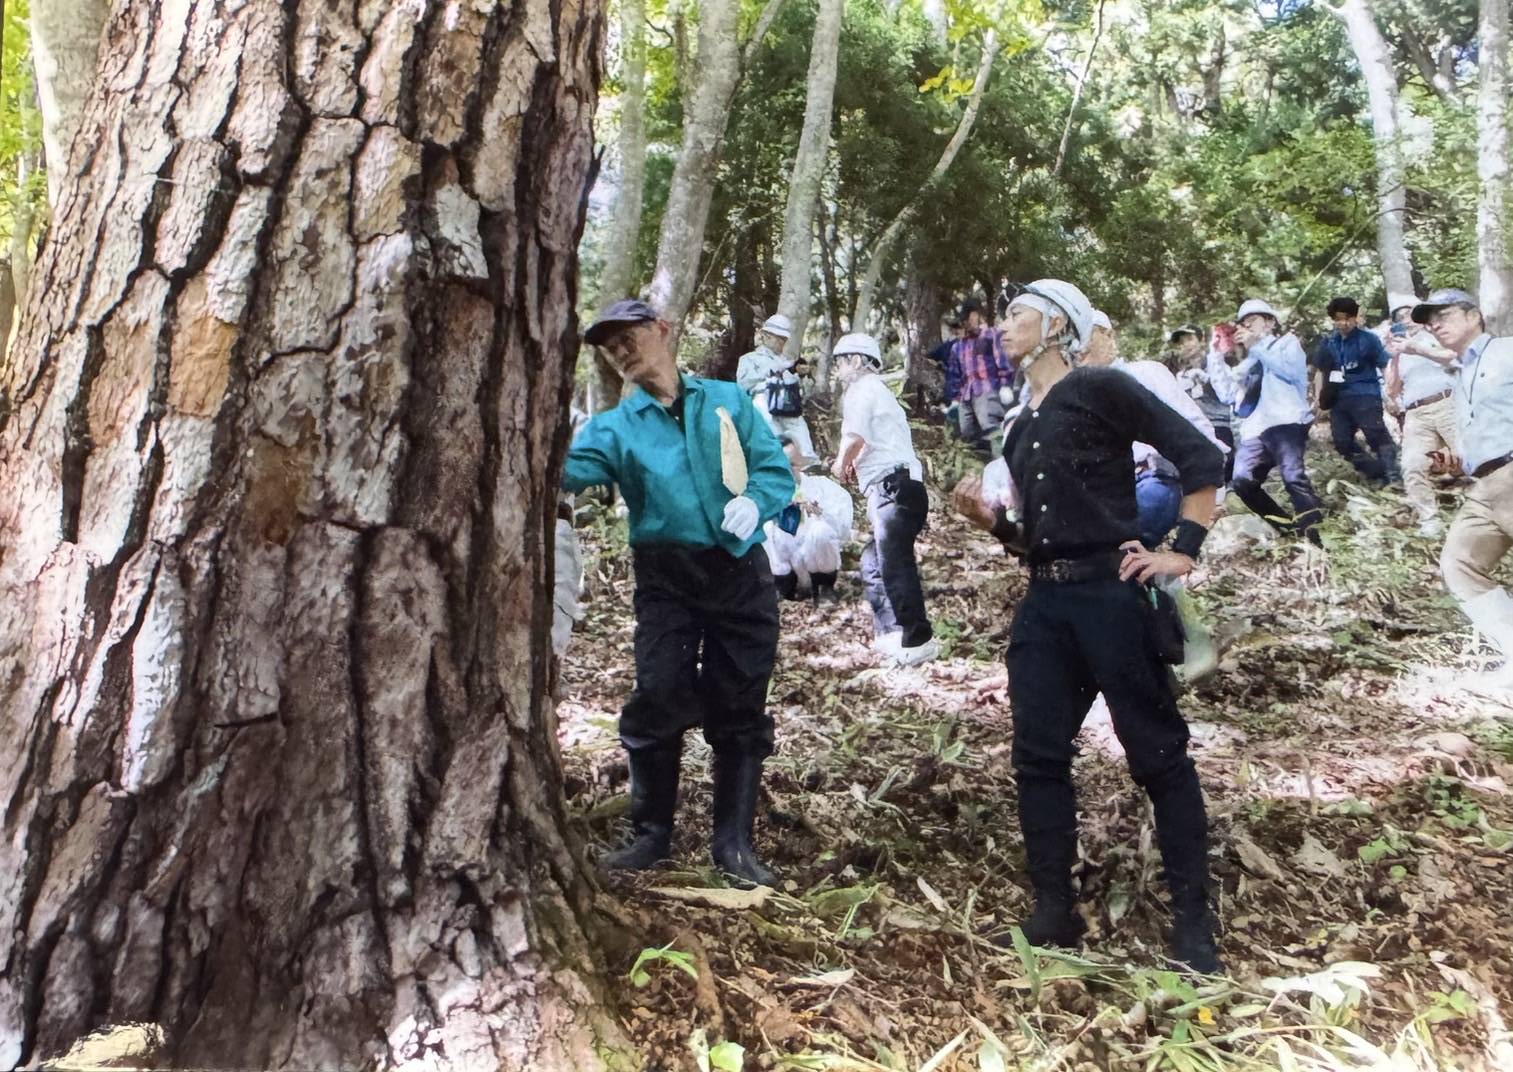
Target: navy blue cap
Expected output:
[628,311]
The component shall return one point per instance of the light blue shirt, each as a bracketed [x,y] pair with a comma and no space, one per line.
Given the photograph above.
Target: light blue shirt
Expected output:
[1284,384]
[1484,401]
[671,476]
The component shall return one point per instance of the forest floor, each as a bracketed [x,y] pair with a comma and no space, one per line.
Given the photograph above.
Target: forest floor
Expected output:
[1359,801]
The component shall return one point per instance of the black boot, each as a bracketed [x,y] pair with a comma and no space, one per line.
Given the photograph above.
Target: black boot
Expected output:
[1055,921]
[824,585]
[653,802]
[1193,941]
[1182,833]
[787,584]
[737,781]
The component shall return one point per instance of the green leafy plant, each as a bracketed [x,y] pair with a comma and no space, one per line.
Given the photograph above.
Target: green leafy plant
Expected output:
[640,971]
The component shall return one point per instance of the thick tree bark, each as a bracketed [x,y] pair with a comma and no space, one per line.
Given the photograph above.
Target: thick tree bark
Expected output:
[808,169]
[877,258]
[625,228]
[1375,57]
[680,242]
[65,46]
[25,219]
[1494,218]
[278,462]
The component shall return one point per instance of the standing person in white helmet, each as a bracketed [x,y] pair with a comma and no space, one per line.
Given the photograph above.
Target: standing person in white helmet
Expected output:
[1087,624]
[772,381]
[877,451]
[1482,533]
[1274,411]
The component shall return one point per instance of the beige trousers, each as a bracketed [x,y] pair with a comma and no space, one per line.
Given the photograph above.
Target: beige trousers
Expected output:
[1427,428]
[1479,537]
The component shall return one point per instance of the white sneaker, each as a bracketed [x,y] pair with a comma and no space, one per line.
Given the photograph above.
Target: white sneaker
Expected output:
[888,644]
[920,653]
[1432,529]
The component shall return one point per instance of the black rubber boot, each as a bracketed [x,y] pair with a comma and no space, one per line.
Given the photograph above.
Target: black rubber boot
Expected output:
[737,782]
[1193,941]
[824,586]
[787,584]
[653,803]
[1055,921]
[1182,833]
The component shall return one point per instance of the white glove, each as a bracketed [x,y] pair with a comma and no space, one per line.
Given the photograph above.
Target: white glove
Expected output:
[741,516]
[1006,395]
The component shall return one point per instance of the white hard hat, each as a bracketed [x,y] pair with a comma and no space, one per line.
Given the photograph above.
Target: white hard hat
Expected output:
[779,325]
[1399,301]
[1256,305]
[858,343]
[1072,302]
[1101,320]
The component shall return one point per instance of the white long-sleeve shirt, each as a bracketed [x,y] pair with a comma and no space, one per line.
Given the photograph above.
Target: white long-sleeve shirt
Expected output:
[1284,383]
[1159,381]
[753,369]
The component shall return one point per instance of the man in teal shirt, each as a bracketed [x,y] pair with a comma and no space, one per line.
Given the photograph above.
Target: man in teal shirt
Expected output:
[700,471]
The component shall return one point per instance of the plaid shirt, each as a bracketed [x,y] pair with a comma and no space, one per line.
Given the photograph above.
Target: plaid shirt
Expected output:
[980,365]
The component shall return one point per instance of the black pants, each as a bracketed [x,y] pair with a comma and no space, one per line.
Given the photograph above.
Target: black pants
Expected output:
[1284,447]
[897,506]
[1226,435]
[1363,413]
[706,638]
[1068,643]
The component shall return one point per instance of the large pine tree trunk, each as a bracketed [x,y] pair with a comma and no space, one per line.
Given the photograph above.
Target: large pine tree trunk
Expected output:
[808,169]
[1374,55]
[278,457]
[618,280]
[1494,216]
[65,45]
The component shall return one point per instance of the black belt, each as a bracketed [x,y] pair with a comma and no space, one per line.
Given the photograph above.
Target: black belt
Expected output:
[1488,468]
[1428,401]
[1103,566]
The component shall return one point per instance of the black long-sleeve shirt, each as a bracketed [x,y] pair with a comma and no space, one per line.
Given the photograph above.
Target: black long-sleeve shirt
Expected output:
[1072,464]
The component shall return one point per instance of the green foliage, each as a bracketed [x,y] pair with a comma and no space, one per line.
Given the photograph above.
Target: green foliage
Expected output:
[20,122]
[640,971]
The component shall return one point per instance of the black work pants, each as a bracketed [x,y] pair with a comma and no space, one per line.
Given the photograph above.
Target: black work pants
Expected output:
[897,507]
[1283,446]
[706,639]
[1363,413]
[1068,643]
[1226,435]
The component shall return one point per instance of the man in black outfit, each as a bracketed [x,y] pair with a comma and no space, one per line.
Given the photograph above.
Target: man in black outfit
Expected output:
[1087,624]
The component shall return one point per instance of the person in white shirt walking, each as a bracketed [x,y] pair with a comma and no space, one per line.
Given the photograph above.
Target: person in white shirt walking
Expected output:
[772,381]
[804,543]
[877,451]
[1421,381]
[1482,533]
[1271,400]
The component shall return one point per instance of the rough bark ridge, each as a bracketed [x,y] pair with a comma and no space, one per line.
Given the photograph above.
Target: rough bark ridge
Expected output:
[808,169]
[1375,57]
[278,452]
[65,47]
[1493,217]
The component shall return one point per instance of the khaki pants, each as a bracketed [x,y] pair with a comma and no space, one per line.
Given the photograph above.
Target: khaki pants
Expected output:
[1479,537]
[1427,428]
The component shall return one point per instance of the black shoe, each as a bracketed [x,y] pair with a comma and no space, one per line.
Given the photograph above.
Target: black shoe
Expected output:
[1193,941]
[824,586]
[653,803]
[737,782]
[1054,923]
[787,585]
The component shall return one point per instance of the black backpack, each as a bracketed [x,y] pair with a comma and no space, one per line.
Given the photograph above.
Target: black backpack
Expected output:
[784,399]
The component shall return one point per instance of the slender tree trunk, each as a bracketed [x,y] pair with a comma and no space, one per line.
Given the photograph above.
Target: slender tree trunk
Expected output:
[1375,57]
[829,238]
[680,242]
[878,256]
[1494,219]
[65,47]
[22,224]
[808,170]
[625,228]
[278,461]
[7,308]
[1079,89]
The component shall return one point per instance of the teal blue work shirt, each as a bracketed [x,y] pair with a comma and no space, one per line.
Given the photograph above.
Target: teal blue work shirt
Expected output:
[670,476]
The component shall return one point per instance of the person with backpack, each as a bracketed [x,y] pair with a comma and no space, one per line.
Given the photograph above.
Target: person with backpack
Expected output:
[877,452]
[1269,385]
[699,471]
[772,381]
[1350,361]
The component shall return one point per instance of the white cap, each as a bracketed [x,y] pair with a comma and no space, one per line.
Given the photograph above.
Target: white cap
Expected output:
[857,343]
[779,325]
[1100,319]
[1256,305]
[1398,301]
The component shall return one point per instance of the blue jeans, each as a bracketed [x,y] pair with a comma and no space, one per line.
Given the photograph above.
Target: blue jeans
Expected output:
[1284,447]
[1158,499]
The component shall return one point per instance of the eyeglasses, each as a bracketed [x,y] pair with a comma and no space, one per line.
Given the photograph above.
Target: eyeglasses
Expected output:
[1441,316]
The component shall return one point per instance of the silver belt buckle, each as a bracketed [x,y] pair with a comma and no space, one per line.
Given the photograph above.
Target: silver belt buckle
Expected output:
[1061,570]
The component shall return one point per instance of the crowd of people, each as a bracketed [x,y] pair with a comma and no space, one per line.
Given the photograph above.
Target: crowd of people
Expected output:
[1102,474]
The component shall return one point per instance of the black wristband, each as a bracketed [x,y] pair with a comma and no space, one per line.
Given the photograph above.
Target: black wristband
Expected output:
[1189,538]
[1006,531]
